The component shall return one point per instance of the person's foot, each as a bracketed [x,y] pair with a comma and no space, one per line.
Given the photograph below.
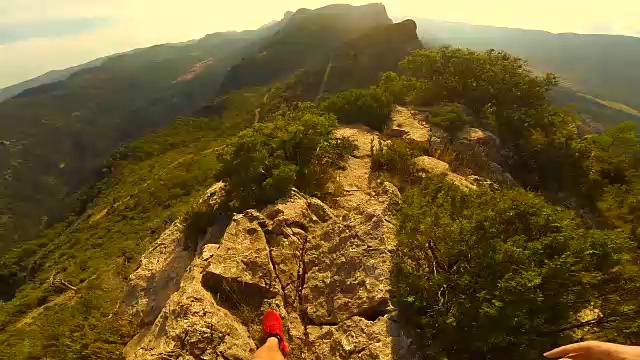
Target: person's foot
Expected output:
[272,327]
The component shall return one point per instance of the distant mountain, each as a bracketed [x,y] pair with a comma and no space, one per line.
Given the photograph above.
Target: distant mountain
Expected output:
[602,66]
[55,137]
[52,76]
[306,38]
[359,61]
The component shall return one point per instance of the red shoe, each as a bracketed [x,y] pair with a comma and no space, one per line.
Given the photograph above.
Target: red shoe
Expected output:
[272,327]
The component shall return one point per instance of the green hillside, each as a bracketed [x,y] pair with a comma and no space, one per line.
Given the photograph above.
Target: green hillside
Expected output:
[100,164]
[56,137]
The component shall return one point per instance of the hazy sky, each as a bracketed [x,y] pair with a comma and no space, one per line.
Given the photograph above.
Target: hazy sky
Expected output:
[41,35]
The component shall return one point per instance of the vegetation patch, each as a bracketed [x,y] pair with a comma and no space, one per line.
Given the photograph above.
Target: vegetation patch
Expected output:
[294,147]
[508,273]
[371,107]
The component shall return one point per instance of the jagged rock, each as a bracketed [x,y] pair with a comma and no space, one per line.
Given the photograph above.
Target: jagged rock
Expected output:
[482,182]
[479,146]
[348,269]
[240,269]
[161,269]
[325,269]
[498,175]
[479,137]
[358,338]
[394,198]
[214,195]
[193,326]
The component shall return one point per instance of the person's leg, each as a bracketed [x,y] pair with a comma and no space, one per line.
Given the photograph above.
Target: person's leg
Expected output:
[275,347]
[269,351]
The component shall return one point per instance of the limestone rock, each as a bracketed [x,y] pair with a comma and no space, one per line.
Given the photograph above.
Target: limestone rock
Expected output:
[240,269]
[427,164]
[361,135]
[161,269]
[320,210]
[357,338]
[325,269]
[479,146]
[394,198]
[193,326]
[214,195]
[396,133]
[348,269]
[480,137]
[411,123]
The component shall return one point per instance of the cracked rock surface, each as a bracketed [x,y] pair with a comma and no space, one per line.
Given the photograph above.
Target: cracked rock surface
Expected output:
[325,269]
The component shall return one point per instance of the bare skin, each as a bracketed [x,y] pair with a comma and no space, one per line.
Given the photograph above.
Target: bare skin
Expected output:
[269,351]
[595,350]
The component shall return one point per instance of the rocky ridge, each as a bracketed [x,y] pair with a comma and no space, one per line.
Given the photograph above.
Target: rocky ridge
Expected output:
[325,267]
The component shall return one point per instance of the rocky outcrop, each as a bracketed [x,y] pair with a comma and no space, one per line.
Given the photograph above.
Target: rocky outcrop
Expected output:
[358,338]
[161,270]
[326,269]
[193,326]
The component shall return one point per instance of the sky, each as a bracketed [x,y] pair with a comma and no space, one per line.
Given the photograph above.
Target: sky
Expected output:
[41,35]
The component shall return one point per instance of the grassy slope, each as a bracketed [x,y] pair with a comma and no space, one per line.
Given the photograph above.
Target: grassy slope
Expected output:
[59,134]
[160,178]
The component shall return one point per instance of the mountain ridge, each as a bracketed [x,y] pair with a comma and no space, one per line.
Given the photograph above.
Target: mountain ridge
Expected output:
[599,65]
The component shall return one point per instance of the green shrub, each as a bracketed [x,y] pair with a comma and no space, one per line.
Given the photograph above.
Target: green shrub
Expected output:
[452,118]
[263,162]
[372,108]
[395,157]
[505,274]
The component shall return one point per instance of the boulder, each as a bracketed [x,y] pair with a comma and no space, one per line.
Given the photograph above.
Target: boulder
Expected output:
[240,269]
[427,164]
[158,276]
[409,124]
[325,269]
[193,326]
[358,338]
[361,135]
[396,133]
[348,269]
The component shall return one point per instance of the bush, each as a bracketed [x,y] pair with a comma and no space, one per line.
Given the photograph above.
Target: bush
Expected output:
[452,118]
[395,157]
[372,108]
[505,275]
[263,162]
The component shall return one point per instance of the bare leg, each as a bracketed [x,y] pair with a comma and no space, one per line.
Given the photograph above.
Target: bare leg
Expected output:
[269,351]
